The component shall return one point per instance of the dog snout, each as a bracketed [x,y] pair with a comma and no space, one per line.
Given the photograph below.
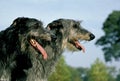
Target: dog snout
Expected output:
[92,36]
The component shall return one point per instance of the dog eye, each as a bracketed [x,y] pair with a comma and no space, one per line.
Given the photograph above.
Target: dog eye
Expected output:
[75,26]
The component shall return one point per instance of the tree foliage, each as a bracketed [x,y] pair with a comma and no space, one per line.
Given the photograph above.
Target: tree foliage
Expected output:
[98,72]
[75,74]
[111,39]
[118,76]
[61,72]
[83,73]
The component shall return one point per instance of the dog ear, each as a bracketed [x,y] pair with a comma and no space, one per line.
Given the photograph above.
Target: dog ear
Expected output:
[14,23]
[18,21]
[57,24]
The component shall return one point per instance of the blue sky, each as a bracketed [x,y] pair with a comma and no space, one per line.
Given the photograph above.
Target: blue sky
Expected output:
[92,12]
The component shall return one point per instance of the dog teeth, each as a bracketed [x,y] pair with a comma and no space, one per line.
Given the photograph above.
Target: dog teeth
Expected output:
[33,42]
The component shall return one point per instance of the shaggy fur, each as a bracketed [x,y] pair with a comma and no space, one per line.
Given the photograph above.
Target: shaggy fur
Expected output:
[17,55]
[20,61]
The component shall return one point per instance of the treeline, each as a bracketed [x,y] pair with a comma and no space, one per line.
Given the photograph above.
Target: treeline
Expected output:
[97,72]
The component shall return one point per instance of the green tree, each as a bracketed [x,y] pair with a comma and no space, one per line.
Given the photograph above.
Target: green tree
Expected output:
[111,39]
[98,72]
[83,73]
[111,73]
[61,73]
[118,76]
[75,74]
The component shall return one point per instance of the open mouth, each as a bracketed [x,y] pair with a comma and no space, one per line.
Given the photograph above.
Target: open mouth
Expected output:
[37,46]
[78,45]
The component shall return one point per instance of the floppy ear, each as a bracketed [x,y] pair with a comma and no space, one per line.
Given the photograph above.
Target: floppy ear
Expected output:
[55,25]
[15,22]
[18,21]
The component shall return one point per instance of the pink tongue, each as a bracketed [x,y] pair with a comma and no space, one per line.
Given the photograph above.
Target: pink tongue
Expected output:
[78,45]
[39,47]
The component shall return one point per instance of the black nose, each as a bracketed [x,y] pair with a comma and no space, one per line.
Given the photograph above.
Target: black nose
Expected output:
[92,36]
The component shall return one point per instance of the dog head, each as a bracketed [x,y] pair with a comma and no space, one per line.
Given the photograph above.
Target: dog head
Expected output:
[70,31]
[31,35]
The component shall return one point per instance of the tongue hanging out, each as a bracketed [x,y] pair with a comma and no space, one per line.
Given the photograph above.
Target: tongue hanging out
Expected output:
[36,45]
[79,46]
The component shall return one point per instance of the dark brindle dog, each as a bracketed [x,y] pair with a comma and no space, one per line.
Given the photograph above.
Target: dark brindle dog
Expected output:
[29,53]
[18,51]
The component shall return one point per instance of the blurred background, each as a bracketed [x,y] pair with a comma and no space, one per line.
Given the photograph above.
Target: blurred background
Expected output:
[101,61]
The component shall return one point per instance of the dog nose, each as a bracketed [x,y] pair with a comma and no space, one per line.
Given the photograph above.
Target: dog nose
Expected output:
[92,36]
